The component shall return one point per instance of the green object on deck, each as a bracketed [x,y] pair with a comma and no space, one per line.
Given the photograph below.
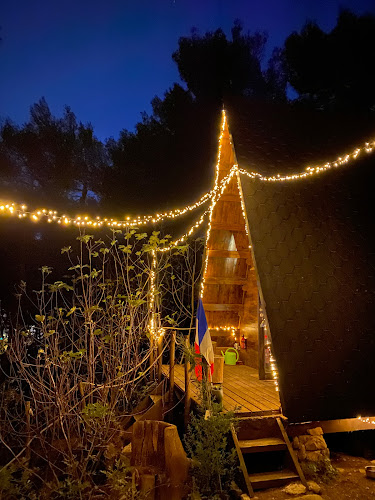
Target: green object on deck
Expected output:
[230,358]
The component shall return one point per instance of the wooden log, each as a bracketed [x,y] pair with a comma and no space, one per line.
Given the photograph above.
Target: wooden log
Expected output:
[157,450]
[172,353]
[176,464]
[187,385]
[147,486]
[148,444]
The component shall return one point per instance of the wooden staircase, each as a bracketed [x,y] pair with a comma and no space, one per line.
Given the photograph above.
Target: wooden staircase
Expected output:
[266,456]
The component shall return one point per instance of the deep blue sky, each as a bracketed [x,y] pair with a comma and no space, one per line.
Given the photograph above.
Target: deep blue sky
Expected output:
[108,58]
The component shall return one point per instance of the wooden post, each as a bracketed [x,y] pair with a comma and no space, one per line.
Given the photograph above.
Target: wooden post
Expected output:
[160,357]
[187,384]
[172,353]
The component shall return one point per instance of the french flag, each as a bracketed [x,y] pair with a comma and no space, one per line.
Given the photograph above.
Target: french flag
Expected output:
[203,344]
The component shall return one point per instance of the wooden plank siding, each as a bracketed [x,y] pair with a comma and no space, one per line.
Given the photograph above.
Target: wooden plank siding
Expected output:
[230,294]
[243,392]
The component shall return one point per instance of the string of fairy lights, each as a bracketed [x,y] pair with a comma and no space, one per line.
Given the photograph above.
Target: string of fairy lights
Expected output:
[52,216]
[21,211]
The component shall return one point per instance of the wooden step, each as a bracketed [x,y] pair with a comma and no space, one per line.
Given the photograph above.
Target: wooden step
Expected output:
[263,445]
[272,479]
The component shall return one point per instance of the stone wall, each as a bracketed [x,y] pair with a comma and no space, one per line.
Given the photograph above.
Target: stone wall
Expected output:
[311,447]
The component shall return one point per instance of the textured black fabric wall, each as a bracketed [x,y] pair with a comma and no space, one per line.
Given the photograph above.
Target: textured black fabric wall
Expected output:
[314,248]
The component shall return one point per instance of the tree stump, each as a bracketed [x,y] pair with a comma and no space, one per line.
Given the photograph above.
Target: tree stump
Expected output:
[157,448]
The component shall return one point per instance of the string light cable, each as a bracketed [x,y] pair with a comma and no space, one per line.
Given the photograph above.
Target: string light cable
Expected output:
[21,211]
[367,420]
[214,198]
[318,169]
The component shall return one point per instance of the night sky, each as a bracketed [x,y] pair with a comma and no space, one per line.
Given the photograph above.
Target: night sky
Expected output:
[107,60]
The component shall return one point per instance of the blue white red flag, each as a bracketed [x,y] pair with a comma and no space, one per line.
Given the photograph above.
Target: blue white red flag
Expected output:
[203,343]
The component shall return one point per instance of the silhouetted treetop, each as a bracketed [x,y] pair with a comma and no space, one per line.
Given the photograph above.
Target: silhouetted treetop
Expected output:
[334,70]
[213,66]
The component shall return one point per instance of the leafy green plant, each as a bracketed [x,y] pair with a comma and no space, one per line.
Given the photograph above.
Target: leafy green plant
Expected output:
[214,462]
[322,470]
[91,355]
[121,480]
[15,482]
[70,488]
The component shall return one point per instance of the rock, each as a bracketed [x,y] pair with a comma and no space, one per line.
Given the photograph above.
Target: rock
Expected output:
[362,471]
[302,453]
[295,489]
[309,497]
[316,443]
[317,431]
[244,496]
[314,456]
[296,443]
[303,439]
[314,487]
[341,470]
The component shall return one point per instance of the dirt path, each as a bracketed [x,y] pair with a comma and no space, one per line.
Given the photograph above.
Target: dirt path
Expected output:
[350,484]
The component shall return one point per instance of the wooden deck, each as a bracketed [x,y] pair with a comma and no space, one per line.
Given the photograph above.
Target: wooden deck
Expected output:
[243,392]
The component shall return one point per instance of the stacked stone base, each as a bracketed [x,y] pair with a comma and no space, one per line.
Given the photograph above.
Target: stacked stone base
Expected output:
[311,447]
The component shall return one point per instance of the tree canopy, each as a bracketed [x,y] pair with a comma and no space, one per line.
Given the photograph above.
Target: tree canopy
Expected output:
[214,67]
[61,160]
[335,70]
[52,158]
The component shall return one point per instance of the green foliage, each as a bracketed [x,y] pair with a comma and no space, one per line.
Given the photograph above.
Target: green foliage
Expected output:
[95,410]
[3,345]
[322,471]
[69,488]
[15,482]
[120,481]
[214,462]
[71,355]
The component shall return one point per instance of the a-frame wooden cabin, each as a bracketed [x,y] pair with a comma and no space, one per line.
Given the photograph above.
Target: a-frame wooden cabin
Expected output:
[305,246]
[230,294]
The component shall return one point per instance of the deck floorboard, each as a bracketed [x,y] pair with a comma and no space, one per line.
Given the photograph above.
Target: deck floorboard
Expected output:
[243,392]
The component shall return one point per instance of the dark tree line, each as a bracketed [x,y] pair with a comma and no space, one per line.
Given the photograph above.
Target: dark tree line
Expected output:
[166,160]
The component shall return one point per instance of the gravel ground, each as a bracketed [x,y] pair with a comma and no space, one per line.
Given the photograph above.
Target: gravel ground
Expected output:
[351,482]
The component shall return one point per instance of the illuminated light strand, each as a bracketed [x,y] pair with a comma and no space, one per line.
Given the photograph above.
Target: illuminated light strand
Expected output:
[85,221]
[272,360]
[214,198]
[152,325]
[49,216]
[310,171]
[185,236]
[367,420]
[232,329]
